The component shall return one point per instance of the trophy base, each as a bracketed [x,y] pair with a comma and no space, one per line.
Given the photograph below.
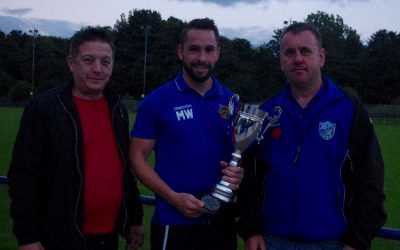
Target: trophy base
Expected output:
[223,192]
[220,195]
[211,203]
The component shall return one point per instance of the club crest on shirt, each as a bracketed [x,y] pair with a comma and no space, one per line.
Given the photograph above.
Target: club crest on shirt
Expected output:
[224,112]
[327,130]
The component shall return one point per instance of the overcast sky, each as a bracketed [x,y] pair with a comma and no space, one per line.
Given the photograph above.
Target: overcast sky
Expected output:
[253,20]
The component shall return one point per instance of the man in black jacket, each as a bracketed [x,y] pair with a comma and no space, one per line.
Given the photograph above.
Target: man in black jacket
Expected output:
[70,182]
[316,179]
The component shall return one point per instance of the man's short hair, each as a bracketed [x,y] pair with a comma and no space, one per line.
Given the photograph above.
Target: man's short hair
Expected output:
[299,27]
[90,34]
[199,24]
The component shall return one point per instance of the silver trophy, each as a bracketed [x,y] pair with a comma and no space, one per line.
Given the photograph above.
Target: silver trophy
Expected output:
[245,128]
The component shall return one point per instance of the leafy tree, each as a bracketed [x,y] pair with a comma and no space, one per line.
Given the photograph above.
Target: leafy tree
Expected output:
[343,47]
[163,62]
[47,84]
[253,72]
[3,49]
[381,64]
[20,91]
[236,67]
[6,83]
[18,59]
[131,34]
[165,50]
[50,67]
[268,73]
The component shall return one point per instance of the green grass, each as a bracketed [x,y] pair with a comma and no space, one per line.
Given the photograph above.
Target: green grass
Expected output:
[388,135]
[9,124]
[389,139]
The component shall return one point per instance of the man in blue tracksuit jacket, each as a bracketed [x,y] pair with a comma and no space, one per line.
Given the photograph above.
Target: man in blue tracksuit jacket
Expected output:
[316,179]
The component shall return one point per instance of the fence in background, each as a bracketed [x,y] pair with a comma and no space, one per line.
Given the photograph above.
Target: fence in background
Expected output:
[386,233]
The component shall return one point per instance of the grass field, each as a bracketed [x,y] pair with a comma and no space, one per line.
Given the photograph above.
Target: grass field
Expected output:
[388,134]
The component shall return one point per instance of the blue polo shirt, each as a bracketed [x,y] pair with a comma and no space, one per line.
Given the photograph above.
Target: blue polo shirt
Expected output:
[191,133]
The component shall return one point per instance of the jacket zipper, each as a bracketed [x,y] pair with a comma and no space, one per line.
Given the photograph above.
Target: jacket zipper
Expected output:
[79,171]
[347,156]
[297,156]
[124,164]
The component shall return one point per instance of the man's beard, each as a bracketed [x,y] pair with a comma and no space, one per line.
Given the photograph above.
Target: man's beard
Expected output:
[196,77]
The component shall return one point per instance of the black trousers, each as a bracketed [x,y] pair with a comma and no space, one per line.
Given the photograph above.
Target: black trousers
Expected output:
[102,241]
[212,236]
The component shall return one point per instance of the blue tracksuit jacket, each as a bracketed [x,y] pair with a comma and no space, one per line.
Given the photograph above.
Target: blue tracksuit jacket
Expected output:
[318,173]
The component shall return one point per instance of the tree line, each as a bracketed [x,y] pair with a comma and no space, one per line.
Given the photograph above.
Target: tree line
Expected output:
[146,58]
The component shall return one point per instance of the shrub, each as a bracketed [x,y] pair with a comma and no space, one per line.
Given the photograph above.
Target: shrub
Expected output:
[5,83]
[46,84]
[20,91]
[396,101]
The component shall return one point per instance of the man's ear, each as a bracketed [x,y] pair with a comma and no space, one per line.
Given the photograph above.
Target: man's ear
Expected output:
[322,57]
[70,61]
[179,51]
[218,52]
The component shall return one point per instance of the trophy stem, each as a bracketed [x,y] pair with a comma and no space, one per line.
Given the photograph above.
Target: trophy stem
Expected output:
[236,157]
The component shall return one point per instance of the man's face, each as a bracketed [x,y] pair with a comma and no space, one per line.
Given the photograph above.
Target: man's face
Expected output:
[91,69]
[302,59]
[199,53]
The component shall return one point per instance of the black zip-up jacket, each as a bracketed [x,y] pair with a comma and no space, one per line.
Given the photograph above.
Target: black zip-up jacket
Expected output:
[46,172]
[363,174]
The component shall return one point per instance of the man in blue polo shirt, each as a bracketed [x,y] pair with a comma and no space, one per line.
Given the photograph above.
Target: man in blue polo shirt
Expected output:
[185,123]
